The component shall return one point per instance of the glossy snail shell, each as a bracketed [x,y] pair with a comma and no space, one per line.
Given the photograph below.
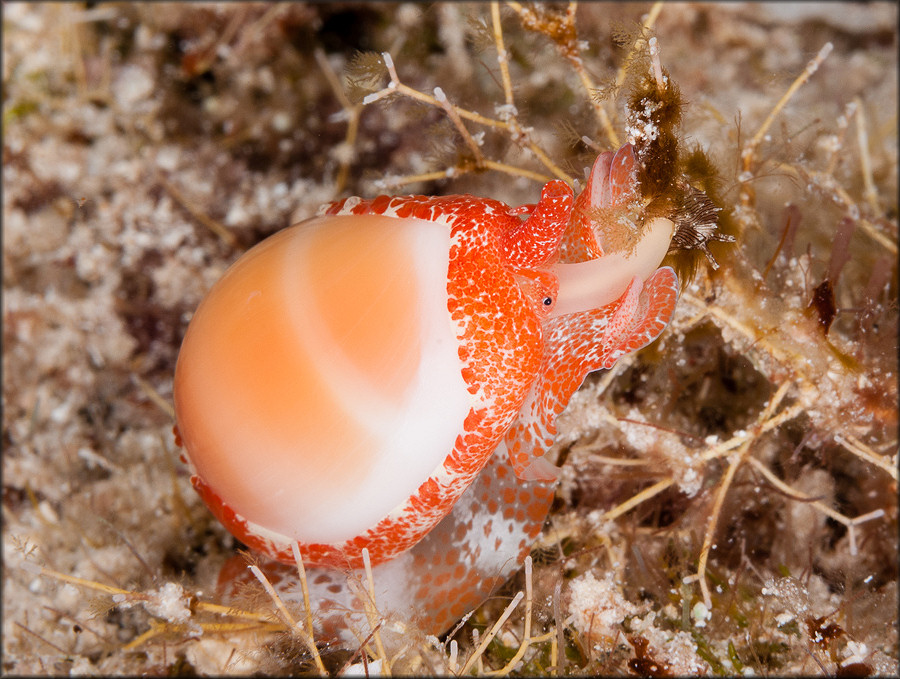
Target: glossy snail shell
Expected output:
[307,381]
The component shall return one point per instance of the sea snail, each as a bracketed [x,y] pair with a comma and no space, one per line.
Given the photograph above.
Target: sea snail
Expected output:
[350,377]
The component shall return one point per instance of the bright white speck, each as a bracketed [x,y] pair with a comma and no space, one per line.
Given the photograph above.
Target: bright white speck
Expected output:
[856,652]
[133,85]
[281,121]
[506,111]
[700,613]
[373,669]
[783,618]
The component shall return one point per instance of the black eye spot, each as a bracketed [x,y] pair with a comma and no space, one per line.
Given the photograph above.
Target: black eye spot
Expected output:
[548,301]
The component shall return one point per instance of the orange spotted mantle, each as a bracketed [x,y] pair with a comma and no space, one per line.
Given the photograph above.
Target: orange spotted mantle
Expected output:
[505,358]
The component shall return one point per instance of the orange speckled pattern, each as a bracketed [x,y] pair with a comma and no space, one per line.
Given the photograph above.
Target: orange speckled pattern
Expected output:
[469,553]
[524,245]
[577,344]
[580,343]
[501,347]
[521,366]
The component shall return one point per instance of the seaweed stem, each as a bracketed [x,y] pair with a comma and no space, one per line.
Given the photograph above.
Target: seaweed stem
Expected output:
[733,466]
[284,614]
[502,55]
[811,68]
[304,587]
[490,635]
[865,161]
[353,113]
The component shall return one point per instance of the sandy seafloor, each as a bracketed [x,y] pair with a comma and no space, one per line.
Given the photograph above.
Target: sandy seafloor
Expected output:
[129,128]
